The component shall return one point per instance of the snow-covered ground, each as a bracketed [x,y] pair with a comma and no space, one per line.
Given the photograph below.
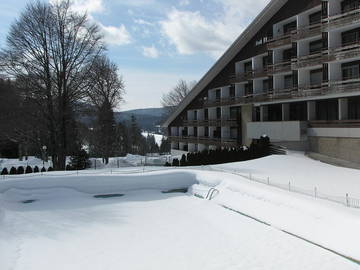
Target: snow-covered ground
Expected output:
[62,226]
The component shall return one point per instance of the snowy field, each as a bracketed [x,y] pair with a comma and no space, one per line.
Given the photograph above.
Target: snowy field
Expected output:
[55,222]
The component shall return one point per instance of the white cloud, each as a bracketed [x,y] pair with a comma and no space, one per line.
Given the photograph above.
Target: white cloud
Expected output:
[191,32]
[184,2]
[143,22]
[90,6]
[150,52]
[115,35]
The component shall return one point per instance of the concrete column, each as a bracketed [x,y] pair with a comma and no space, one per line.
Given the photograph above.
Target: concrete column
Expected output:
[343,108]
[286,112]
[311,110]
[264,113]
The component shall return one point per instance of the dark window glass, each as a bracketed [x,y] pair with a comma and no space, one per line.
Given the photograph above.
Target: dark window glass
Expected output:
[247,67]
[206,131]
[315,18]
[288,54]
[349,5]
[350,37]
[266,62]
[248,89]
[315,46]
[218,93]
[266,85]
[218,113]
[256,114]
[233,133]
[232,91]
[195,131]
[195,115]
[275,112]
[234,112]
[298,111]
[288,81]
[206,114]
[350,70]
[327,110]
[354,108]
[316,77]
[289,27]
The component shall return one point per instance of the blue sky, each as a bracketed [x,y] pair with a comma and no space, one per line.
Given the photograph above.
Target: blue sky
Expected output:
[157,42]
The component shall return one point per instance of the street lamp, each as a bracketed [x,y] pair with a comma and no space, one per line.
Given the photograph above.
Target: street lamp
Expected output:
[44,156]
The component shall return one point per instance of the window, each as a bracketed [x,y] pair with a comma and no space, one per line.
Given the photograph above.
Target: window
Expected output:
[218,113]
[218,93]
[217,133]
[288,82]
[315,46]
[266,85]
[195,131]
[206,131]
[349,5]
[248,67]
[195,115]
[298,111]
[275,112]
[233,133]
[354,108]
[235,112]
[206,114]
[248,89]
[266,62]
[350,37]
[232,91]
[289,27]
[288,54]
[350,71]
[327,109]
[315,18]
[316,77]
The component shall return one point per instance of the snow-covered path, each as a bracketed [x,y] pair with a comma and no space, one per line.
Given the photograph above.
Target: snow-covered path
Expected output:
[67,229]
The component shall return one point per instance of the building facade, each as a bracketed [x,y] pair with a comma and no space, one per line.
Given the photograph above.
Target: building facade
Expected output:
[293,74]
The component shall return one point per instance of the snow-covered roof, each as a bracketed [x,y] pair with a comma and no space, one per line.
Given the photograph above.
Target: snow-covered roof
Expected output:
[239,43]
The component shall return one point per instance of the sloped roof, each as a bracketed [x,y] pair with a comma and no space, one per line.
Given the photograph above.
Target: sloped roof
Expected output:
[264,16]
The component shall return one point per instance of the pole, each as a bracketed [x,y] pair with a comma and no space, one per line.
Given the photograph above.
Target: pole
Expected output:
[315,192]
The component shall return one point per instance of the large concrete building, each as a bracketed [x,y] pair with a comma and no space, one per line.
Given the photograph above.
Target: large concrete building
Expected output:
[293,74]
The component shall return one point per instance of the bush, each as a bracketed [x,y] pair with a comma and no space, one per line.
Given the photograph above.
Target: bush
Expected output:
[80,160]
[175,162]
[36,169]
[50,169]
[13,170]
[167,164]
[20,170]
[43,169]
[183,160]
[4,171]
[68,167]
[28,169]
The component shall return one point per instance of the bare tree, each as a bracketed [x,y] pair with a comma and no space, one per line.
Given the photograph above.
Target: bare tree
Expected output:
[105,92]
[171,99]
[49,51]
[105,83]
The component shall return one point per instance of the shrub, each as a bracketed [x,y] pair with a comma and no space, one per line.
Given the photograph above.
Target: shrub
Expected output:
[80,160]
[43,169]
[20,170]
[36,169]
[183,160]
[13,170]
[28,169]
[175,162]
[68,167]
[50,169]
[167,164]
[4,171]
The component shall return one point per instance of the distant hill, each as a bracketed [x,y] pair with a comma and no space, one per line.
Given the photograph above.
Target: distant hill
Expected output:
[146,118]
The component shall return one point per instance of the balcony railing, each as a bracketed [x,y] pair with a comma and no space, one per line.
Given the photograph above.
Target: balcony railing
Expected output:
[205,140]
[335,124]
[306,32]
[346,51]
[280,67]
[280,41]
[212,122]
[307,61]
[243,77]
[340,20]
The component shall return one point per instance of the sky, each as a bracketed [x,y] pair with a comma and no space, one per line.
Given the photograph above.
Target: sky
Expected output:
[155,43]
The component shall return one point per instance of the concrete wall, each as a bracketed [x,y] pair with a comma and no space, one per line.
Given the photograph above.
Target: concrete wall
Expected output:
[246,117]
[340,148]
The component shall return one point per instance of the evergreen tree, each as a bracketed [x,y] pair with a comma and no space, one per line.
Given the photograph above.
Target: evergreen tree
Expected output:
[80,161]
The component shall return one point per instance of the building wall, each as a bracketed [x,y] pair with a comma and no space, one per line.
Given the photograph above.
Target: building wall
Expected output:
[340,148]
[246,117]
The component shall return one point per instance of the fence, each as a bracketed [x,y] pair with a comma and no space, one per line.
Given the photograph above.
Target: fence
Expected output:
[315,192]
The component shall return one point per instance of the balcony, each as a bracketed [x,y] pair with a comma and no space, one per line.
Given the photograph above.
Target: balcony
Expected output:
[346,51]
[335,124]
[212,122]
[251,75]
[280,67]
[206,140]
[341,20]
[345,86]
[306,32]
[307,61]
[280,41]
